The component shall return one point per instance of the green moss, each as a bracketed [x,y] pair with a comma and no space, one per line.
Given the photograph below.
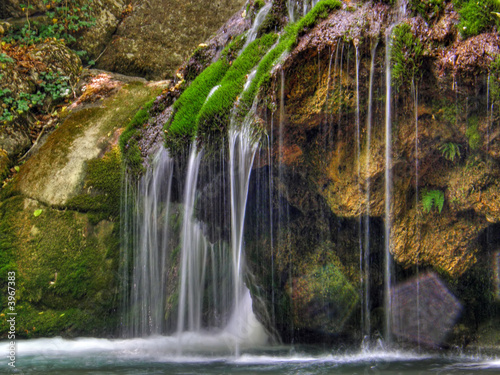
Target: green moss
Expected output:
[407,56]
[190,107]
[324,299]
[495,79]
[476,16]
[428,9]
[472,133]
[128,142]
[102,183]
[64,265]
[286,42]
[259,4]
[214,114]
[181,131]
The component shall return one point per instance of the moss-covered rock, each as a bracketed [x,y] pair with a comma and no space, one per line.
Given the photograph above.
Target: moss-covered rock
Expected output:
[56,173]
[60,216]
[65,270]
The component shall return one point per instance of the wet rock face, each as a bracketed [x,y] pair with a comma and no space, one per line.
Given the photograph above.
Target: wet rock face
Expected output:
[329,163]
[157,37]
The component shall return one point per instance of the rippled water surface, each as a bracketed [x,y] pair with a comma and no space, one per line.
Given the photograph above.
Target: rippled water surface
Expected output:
[211,354]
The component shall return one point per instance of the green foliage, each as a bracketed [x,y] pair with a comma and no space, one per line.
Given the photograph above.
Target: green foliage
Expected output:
[259,4]
[450,150]
[428,9]
[472,133]
[128,142]
[407,55]
[65,20]
[4,58]
[432,199]
[53,85]
[495,79]
[476,16]
[214,114]
[183,128]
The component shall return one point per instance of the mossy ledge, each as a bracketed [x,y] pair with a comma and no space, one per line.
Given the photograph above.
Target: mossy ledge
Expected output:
[196,116]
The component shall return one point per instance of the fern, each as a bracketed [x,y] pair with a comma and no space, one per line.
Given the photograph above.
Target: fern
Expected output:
[431,199]
[450,150]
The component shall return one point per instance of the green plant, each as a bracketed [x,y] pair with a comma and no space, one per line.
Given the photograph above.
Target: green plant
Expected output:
[214,114]
[407,55]
[428,9]
[495,79]
[432,199]
[450,150]
[259,4]
[54,85]
[64,20]
[4,58]
[476,16]
[472,133]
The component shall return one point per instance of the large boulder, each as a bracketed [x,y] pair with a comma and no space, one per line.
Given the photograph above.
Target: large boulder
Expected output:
[107,14]
[56,173]
[156,37]
[59,215]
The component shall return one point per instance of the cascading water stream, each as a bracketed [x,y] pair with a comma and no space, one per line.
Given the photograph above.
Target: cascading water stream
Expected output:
[193,254]
[366,250]
[400,12]
[358,172]
[415,87]
[259,18]
[242,148]
[388,193]
[149,249]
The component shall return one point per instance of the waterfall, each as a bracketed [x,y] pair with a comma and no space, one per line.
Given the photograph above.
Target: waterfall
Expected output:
[366,249]
[212,296]
[259,18]
[193,254]
[358,175]
[400,13]
[417,223]
[149,248]
[388,189]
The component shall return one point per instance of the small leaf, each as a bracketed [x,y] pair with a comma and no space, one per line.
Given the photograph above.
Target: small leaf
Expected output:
[60,316]
[38,212]
[16,168]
